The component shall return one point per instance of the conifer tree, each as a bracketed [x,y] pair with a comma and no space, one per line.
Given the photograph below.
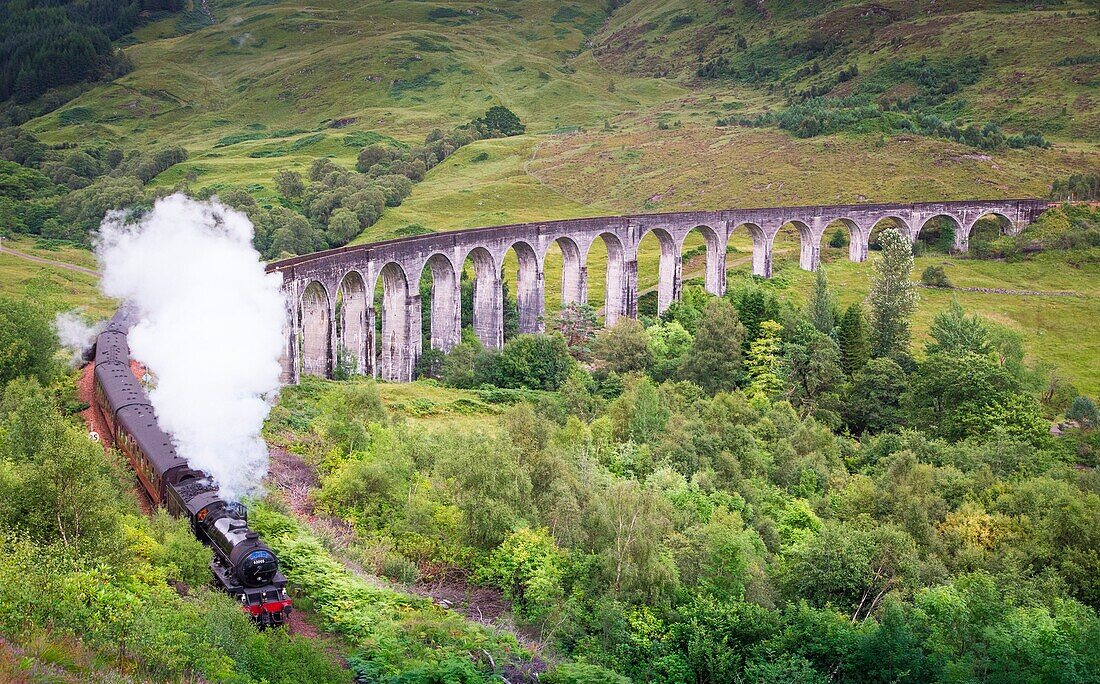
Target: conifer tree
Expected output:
[764,361]
[855,348]
[821,309]
[893,296]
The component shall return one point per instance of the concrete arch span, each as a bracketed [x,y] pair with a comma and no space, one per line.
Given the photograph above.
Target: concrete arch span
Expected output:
[574,272]
[921,229]
[530,289]
[400,345]
[617,301]
[714,275]
[761,247]
[446,303]
[857,237]
[314,322]
[884,222]
[488,311]
[669,268]
[353,324]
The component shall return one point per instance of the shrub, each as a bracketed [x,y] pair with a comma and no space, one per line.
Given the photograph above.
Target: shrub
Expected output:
[399,569]
[1084,411]
[935,276]
[528,568]
[533,362]
[839,239]
[576,673]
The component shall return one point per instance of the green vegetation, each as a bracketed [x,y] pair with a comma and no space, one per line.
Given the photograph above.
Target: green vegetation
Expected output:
[800,481]
[680,510]
[404,639]
[88,585]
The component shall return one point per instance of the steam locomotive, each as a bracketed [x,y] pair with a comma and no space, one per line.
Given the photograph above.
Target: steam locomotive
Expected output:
[242,566]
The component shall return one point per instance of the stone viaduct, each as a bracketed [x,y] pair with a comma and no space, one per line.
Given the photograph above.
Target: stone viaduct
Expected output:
[330,295]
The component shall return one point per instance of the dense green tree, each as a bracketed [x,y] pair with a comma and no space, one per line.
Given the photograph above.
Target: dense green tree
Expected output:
[44,495]
[27,343]
[1084,411]
[851,568]
[821,307]
[814,374]
[714,360]
[459,368]
[577,323]
[688,309]
[853,339]
[500,121]
[892,298]
[872,401]
[292,234]
[21,183]
[81,212]
[624,347]
[289,184]
[528,567]
[485,480]
[630,523]
[343,226]
[372,155]
[755,304]
[668,342]
[533,361]
[953,332]
[953,395]
[720,557]
[764,362]
[638,413]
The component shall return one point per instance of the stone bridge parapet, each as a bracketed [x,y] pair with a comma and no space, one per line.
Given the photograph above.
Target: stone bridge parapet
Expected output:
[331,295]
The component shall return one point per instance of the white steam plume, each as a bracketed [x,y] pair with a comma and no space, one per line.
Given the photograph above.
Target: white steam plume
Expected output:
[209,328]
[75,334]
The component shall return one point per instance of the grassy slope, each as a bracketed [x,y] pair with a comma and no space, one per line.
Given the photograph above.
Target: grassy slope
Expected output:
[1022,86]
[54,288]
[1059,331]
[385,66]
[265,69]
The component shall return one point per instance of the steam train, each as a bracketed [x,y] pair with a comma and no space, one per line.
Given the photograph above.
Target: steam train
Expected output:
[242,566]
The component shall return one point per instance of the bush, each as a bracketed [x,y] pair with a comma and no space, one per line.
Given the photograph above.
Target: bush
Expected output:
[399,569]
[27,344]
[1083,410]
[935,276]
[527,566]
[577,673]
[532,362]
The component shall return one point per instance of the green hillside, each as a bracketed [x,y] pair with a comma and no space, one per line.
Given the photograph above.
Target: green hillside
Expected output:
[791,483]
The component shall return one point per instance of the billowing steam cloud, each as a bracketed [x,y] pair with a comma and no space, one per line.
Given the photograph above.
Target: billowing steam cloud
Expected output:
[210,329]
[75,334]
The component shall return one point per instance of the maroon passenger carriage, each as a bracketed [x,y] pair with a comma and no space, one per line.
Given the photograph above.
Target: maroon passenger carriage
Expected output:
[243,566]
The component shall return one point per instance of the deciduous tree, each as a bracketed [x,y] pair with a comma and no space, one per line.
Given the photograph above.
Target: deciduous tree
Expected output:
[893,298]
[714,360]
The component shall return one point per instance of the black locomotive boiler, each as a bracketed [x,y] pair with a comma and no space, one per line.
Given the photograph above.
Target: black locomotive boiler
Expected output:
[242,566]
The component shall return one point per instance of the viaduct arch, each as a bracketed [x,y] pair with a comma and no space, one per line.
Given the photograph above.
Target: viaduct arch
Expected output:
[331,295]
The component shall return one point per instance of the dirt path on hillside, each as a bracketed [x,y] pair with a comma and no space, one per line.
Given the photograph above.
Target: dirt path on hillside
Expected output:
[295,480]
[49,262]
